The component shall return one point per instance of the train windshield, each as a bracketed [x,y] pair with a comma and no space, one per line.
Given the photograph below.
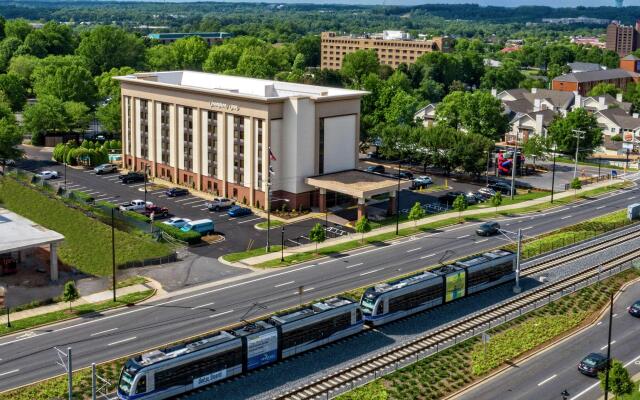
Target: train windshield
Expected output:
[126,380]
[368,304]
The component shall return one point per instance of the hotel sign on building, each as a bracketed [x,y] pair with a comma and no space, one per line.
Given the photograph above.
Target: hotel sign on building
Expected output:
[213,132]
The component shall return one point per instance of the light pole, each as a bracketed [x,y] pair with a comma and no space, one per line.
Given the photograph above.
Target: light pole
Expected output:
[146,167]
[626,165]
[608,366]
[487,173]
[579,135]
[398,199]
[113,253]
[553,174]
[269,220]
[282,245]
[65,175]
[513,167]
[516,288]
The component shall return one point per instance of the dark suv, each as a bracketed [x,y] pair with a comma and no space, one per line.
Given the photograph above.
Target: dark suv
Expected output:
[592,364]
[488,229]
[502,187]
[132,177]
[379,169]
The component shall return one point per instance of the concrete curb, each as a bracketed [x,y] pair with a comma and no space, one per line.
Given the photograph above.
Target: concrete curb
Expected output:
[549,346]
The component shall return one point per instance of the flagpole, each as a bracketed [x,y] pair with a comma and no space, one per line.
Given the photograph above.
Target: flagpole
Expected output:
[268,205]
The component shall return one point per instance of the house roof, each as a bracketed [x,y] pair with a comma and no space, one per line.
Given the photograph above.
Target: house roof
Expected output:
[582,66]
[519,106]
[547,116]
[558,98]
[621,118]
[594,76]
[631,57]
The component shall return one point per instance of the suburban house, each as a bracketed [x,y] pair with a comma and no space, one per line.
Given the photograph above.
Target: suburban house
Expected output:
[583,82]
[615,122]
[585,67]
[426,114]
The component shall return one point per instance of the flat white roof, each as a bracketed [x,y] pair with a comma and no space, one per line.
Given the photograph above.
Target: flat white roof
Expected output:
[17,233]
[237,85]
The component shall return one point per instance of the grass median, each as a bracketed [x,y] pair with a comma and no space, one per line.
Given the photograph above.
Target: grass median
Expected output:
[87,241]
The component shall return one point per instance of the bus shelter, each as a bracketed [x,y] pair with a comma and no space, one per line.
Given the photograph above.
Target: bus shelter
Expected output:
[361,185]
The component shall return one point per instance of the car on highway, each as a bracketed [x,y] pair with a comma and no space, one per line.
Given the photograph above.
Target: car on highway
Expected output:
[219,203]
[202,226]
[157,211]
[105,169]
[132,177]
[177,222]
[237,211]
[379,169]
[634,309]
[177,191]
[134,205]
[46,175]
[420,182]
[488,228]
[592,364]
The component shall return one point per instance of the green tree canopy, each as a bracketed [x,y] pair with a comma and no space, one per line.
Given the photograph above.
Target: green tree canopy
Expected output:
[309,47]
[620,382]
[359,64]
[460,204]
[22,66]
[47,115]
[604,88]
[416,212]
[13,88]
[477,112]
[317,234]
[8,47]
[17,28]
[10,138]
[107,86]
[52,39]
[77,116]
[562,132]
[64,77]
[507,76]
[70,292]
[363,226]
[496,200]
[186,53]
[106,47]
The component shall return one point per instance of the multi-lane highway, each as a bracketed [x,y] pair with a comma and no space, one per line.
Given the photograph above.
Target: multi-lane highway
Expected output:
[547,375]
[28,356]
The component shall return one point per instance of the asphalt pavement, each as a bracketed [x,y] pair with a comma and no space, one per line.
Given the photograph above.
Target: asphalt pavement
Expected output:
[29,356]
[547,375]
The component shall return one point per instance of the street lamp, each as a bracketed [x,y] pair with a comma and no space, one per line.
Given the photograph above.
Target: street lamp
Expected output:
[65,175]
[146,167]
[579,135]
[513,166]
[516,288]
[269,220]
[608,366]
[553,175]
[487,173]
[282,245]
[113,253]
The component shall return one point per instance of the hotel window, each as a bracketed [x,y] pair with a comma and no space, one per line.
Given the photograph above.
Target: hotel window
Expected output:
[128,122]
[144,129]
[212,141]
[187,122]
[259,146]
[165,135]
[238,149]
[321,147]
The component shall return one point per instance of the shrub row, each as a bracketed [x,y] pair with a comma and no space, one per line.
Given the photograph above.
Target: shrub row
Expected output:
[190,237]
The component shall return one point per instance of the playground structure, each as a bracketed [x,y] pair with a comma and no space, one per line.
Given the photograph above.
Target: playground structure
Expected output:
[505,162]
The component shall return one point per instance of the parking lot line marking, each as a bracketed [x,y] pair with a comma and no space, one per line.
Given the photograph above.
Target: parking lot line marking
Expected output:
[354,265]
[198,205]
[101,332]
[249,220]
[285,284]
[162,195]
[158,191]
[89,171]
[606,345]
[193,202]
[202,306]
[9,372]
[221,313]
[615,315]
[185,199]
[412,250]
[371,272]
[136,185]
[102,195]
[112,179]
[481,241]
[547,380]
[122,341]
[427,256]
[203,209]
[463,236]
[631,198]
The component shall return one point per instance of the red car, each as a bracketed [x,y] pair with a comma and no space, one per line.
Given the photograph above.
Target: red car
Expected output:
[158,212]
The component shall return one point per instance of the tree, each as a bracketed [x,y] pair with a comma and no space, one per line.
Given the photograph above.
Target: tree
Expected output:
[604,88]
[13,88]
[416,213]
[222,58]
[109,115]
[359,64]
[107,86]
[449,111]
[10,138]
[17,28]
[401,109]
[507,76]
[317,235]
[8,47]
[469,149]
[576,185]
[363,226]
[77,116]
[64,77]
[106,47]
[47,115]
[535,146]
[53,38]
[309,47]
[619,380]
[160,58]
[254,64]
[190,52]
[496,200]
[22,67]
[476,112]
[562,132]
[460,204]
[70,293]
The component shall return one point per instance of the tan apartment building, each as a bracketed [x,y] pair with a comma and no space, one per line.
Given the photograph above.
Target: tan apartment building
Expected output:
[213,133]
[622,39]
[393,47]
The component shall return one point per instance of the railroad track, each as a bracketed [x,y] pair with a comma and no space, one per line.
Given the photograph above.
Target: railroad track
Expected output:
[373,367]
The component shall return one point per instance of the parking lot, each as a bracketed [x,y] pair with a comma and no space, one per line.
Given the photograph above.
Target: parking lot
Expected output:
[239,233]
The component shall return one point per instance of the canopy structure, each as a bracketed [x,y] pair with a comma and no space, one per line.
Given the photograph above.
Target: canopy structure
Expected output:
[18,233]
[359,184]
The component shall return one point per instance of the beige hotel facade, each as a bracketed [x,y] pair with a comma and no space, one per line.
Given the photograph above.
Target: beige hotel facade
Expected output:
[213,132]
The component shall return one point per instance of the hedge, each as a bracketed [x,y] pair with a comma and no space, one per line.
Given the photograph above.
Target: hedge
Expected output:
[191,237]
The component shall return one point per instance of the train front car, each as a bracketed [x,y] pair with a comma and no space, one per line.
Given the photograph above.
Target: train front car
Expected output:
[397,299]
[321,323]
[164,373]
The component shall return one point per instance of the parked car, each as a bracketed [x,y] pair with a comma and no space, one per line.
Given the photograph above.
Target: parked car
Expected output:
[177,191]
[634,309]
[237,211]
[132,177]
[405,175]
[135,205]
[471,199]
[502,187]
[158,212]
[219,203]
[177,222]
[478,196]
[46,175]
[422,181]
[379,169]
[105,169]
[450,197]
[202,226]
[8,162]
[487,191]
[488,228]
[592,364]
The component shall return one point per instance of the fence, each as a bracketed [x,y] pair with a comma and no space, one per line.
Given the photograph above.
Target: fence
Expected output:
[589,180]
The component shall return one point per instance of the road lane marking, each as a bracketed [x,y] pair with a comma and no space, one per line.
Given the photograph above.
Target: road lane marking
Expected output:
[547,380]
[427,256]
[304,290]
[122,341]
[9,372]
[412,250]
[101,332]
[463,236]
[219,314]
[324,262]
[566,216]
[481,241]
[249,220]
[285,284]
[600,208]
[354,265]
[529,227]
[202,306]
[371,272]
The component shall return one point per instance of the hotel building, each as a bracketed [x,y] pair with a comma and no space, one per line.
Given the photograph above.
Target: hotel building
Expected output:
[213,132]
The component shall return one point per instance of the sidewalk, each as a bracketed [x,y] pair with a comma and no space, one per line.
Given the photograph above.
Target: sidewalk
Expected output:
[92,298]
[410,224]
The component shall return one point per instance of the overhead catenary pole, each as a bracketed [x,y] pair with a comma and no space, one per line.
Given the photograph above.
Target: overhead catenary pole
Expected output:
[113,253]
[69,373]
[93,381]
[608,366]
[398,199]
[268,205]
[517,288]
[579,135]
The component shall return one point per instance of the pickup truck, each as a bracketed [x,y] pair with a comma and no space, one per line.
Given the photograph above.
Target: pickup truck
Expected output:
[158,212]
[219,203]
[135,205]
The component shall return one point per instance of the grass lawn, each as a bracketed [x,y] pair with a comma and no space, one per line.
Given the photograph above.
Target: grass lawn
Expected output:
[87,241]
[83,309]
[274,224]
[232,257]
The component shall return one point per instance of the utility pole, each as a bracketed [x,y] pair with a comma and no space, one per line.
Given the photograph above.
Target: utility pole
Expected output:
[626,165]
[579,135]
[553,175]
[487,173]
[606,370]
[113,253]
[599,161]
[282,245]
[145,185]
[398,200]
